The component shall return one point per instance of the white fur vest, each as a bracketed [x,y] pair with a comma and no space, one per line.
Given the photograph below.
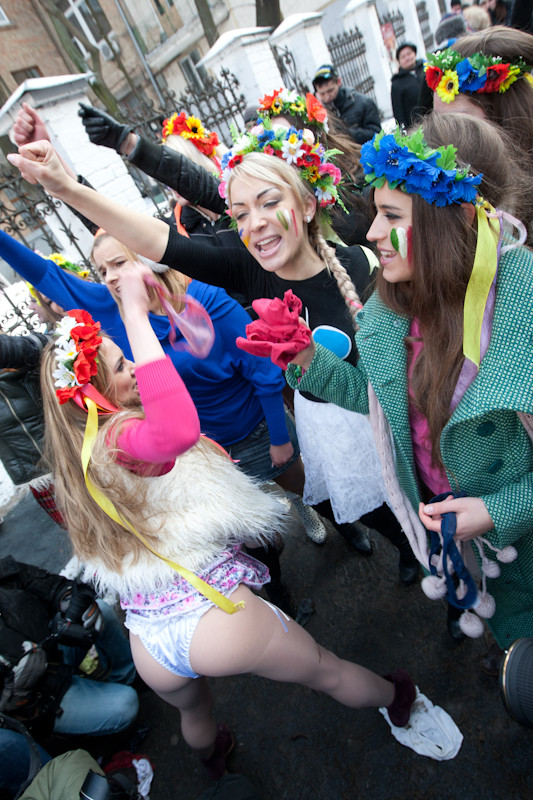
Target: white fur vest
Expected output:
[202,506]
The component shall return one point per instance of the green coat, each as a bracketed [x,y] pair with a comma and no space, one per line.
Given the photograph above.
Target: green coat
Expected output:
[485,448]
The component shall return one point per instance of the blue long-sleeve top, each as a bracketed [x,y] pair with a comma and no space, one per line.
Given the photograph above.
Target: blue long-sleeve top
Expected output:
[232,390]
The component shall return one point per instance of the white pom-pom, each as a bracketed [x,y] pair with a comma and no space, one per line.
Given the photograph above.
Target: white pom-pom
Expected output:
[461,590]
[507,554]
[471,625]
[490,568]
[485,606]
[434,587]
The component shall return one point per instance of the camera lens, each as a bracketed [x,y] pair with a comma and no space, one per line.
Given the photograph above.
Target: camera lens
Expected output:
[95,787]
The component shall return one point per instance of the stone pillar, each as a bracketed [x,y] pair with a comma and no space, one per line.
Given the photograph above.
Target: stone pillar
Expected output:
[56,101]
[302,35]
[362,14]
[246,52]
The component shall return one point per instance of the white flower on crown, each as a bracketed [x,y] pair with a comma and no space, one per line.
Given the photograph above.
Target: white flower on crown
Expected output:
[242,143]
[64,377]
[288,96]
[323,194]
[292,149]
[63,330]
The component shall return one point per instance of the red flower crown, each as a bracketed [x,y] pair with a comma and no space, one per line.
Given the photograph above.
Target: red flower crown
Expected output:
[192,129]
[77,341]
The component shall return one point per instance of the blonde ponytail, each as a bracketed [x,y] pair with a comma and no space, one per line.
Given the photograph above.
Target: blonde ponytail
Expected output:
[344,282]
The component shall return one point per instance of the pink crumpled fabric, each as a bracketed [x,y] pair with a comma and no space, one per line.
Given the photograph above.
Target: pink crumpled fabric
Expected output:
[278,333]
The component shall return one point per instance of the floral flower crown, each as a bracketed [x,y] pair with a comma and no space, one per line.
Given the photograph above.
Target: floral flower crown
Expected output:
[62,262]
[293,146]
[410,164]
[76,346]
[191,128]
[448,73]
[285,101]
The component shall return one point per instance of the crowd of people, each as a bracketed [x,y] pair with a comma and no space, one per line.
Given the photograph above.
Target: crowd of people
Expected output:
[391,282]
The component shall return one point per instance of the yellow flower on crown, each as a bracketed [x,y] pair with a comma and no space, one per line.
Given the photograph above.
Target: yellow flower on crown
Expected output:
[514,72]
[277,106]
[448,87]
[196,129]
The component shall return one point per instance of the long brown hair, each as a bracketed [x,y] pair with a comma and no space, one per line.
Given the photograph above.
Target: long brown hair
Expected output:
[511,110]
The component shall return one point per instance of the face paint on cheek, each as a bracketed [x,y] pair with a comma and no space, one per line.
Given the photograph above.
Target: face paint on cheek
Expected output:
[410,244]
[294,220]
[282,219]
[246,239]
[398,238]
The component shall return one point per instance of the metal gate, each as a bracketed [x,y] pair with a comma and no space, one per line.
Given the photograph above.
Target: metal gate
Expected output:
[218,104]
[24,211]
[425,25]
[348,53]
[395,18]
[287,67]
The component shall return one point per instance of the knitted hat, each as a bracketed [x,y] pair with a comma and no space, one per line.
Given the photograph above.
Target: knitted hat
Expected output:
[325,73]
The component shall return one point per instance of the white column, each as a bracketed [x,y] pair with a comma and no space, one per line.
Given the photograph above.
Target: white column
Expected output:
[362,14]
[246,52]
[302,35]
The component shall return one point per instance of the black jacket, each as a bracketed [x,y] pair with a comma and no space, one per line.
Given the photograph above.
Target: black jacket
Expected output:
[172,169]
[359,113]
[29,600]
[405,88]
[21,414]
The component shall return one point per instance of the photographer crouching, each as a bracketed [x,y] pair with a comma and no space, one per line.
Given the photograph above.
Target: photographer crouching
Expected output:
[49,679]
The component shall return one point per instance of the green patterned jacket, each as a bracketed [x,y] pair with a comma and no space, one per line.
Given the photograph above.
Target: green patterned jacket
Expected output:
[485,448]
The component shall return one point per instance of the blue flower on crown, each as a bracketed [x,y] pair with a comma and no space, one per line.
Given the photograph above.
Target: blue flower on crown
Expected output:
[470,80]
[265,137]
[408,163]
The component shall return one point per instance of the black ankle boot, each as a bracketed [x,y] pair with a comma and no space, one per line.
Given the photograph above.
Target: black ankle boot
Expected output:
[357,537]
[354,533]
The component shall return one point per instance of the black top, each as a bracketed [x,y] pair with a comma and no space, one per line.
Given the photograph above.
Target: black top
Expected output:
[359,113]
[237,270]
[405,88]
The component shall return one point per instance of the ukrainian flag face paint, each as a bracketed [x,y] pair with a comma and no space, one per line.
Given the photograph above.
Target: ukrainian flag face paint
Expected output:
[270,221]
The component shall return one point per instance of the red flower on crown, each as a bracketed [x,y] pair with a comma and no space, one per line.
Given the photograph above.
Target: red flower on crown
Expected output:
[315,109]
[433,76]
[496,75]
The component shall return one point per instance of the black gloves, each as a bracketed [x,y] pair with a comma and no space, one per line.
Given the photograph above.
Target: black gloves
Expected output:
[102,128]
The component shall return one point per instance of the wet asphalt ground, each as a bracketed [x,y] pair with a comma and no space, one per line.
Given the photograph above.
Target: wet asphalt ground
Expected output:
[295,744]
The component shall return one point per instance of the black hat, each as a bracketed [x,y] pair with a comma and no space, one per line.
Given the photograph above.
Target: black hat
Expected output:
[325,73]
[402,46]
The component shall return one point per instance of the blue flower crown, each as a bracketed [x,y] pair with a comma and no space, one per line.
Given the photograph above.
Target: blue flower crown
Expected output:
[409,163]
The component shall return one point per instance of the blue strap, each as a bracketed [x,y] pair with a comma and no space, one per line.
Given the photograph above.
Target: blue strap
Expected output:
[449,549]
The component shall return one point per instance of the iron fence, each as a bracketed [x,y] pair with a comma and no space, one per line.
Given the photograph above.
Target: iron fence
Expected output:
[425,25]
[287,67]
[348,53]
[395,18]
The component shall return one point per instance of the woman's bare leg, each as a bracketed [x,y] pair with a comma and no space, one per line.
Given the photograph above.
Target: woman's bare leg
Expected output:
[254,640]
[191,696]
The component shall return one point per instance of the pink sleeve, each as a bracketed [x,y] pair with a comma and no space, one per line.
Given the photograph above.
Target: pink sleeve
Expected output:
[171,425]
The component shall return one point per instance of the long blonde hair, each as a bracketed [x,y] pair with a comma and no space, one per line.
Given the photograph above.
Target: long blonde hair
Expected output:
[261,166]
[175,282]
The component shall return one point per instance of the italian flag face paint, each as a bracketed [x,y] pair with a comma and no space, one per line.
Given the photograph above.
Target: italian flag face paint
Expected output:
[398,238]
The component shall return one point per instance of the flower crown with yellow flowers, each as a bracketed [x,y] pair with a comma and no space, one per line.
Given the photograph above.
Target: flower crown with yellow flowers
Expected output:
[192,129]
[296,147]
[286,101]
[448,73]
[62,262]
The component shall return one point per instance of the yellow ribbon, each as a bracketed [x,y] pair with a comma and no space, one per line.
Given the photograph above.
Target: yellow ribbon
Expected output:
[477,291]
[91,431]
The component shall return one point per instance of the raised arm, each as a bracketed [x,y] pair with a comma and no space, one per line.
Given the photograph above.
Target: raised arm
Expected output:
[39,163]
[167,166]
[171,425]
